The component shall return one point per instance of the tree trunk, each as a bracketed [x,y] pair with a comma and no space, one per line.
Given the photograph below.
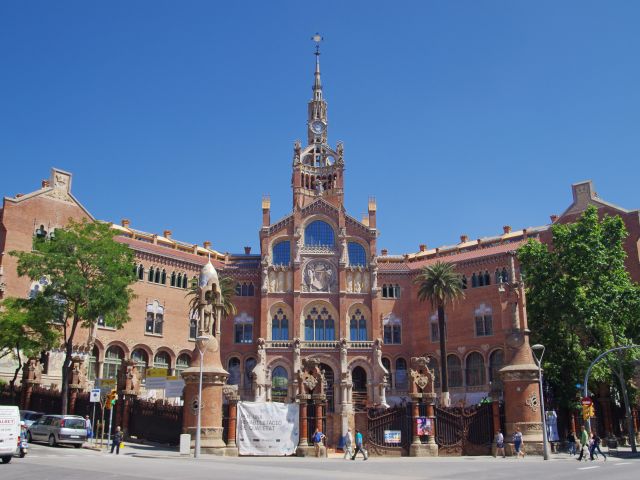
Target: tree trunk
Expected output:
[627,406]
[64,389]
[12,382]
[444,378]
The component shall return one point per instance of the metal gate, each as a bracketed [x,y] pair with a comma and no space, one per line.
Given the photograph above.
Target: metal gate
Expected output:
[391,420]
[464,431]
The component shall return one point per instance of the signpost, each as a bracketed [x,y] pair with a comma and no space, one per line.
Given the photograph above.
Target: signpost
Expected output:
[94,397]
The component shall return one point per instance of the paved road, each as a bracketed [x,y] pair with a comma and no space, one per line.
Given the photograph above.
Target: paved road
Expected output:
[44,463]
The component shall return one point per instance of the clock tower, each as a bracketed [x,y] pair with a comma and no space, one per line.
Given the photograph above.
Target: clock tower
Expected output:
[317,168]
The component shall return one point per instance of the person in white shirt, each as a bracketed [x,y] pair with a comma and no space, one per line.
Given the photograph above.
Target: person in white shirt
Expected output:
[348,444]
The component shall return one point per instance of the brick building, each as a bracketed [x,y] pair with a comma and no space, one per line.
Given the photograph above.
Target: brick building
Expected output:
[317,288]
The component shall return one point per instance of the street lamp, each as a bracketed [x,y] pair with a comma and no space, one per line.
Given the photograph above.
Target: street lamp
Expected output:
[545,441]
[201,342]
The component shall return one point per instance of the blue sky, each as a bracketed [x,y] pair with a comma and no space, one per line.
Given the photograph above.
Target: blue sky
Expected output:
[458,116]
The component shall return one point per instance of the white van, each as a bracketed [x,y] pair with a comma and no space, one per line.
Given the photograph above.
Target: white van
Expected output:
[9,432]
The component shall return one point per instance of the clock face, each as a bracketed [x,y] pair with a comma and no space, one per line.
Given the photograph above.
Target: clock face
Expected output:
[317,127]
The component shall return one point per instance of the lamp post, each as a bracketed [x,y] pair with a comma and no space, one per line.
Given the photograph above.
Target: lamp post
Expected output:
[201,342]
[545,441]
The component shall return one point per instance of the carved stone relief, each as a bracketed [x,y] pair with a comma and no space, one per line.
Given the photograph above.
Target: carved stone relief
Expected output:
[319,276]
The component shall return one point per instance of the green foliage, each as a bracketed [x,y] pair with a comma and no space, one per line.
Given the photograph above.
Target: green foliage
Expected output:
[25,328]
[439,284]
[581,300]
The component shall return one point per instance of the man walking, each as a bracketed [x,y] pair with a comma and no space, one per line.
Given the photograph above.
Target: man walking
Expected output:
[500,444]
[596,446]
[348,444]
[584,441]
[87,423]
[317,441]
[359,446]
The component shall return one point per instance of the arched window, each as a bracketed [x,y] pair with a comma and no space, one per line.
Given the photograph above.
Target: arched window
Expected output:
[358,326]
[157,276]
[505,275]
[92,368]
[243,290]
[281,253]
[182,363]
[474,280]
[155,318]
[359,391]
[487,278]
[151,274]
[484,320]
[496,362]
[142,361]
[249,365]
[475,370]
[392,326]
[385,292]
[184,281]
[319,325]
[112,362]
[480,279]
[319,233]
[234,371]
[173,279]
[279,385]
[280,326]
[140,272]
[243,328]
[464,282]
[386,363]
[179,280]
[193,325]
[162,360]
[357,254]
[163,277]
[402,380]
[251,290]
[454,371]
[391,291]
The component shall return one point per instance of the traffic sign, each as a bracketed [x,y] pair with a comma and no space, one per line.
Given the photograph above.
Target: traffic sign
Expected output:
[586,401]
[94,396]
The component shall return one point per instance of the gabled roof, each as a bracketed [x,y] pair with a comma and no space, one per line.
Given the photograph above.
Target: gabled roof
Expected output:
[585,195]
[57,187]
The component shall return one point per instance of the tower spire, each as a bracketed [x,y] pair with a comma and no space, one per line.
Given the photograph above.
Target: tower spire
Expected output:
[317,85]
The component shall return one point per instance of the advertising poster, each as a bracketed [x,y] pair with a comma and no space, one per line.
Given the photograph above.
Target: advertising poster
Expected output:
[267,428]
[425,426]
[392,436]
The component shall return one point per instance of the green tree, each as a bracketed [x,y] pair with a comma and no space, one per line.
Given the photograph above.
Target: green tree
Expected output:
[24,330]
[440,285]
[581,301]
[89,275]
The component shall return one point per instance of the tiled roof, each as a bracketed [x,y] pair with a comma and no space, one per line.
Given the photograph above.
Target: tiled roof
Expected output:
[143,246]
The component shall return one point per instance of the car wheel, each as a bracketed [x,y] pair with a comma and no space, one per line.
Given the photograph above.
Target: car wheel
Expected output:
[52,441]
[29,439]
[6,459]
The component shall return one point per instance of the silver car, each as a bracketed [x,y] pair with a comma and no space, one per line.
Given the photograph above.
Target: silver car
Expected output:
[55,429]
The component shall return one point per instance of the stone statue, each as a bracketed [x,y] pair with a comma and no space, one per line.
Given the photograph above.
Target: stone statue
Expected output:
[343,354]
[297,147]
[422,376]
[265,275]
[357,285]
[32,371]
[319,187]
[311,379]
[210,297]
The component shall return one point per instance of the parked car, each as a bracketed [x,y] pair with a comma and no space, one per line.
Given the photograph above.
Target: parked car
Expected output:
[29,416]
[55,429]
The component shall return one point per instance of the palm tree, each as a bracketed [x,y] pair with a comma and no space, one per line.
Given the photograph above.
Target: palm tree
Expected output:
[440,285]
[227,290]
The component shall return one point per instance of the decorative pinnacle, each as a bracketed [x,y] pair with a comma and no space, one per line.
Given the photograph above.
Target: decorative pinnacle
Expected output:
[317,38]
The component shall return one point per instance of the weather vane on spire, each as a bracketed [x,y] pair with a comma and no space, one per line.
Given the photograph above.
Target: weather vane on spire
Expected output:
[317,38]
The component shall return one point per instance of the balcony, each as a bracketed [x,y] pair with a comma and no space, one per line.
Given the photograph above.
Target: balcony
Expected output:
[320,344]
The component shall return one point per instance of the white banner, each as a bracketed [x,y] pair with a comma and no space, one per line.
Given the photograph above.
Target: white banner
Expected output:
[267,428]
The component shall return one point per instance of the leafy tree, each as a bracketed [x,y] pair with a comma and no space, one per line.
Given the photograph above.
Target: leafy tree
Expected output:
[24,330]
[581,302]
[89,276]
[440,285]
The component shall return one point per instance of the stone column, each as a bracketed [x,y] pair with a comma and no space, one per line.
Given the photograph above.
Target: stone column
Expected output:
[415,414]
[214,378]
[304,449]
[319,413]
[231,394]
[432,415]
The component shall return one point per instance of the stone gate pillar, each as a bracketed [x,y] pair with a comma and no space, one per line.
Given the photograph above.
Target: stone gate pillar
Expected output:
[304,431]
[311,384]
[77,382]
[231,394]
[31,377]
[422,392]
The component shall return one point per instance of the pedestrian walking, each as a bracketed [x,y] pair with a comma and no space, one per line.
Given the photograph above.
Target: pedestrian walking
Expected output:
[359,446]
[317,441]
[595,445]
[584,441]
[571,442]
[87,423]
[500,444]
[518,443]
[117,438]
[348,444]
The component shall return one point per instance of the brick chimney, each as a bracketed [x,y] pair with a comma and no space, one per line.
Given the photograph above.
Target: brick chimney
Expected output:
[423,247]
[247,250]
[45,183]
[524,233]
[207,244]
[167,234]
[506,229]
[553,218]
[125,222]
[384,252]
[464,238]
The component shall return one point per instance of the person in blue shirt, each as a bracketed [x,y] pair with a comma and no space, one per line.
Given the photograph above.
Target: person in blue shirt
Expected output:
[359,446]
[317,438]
